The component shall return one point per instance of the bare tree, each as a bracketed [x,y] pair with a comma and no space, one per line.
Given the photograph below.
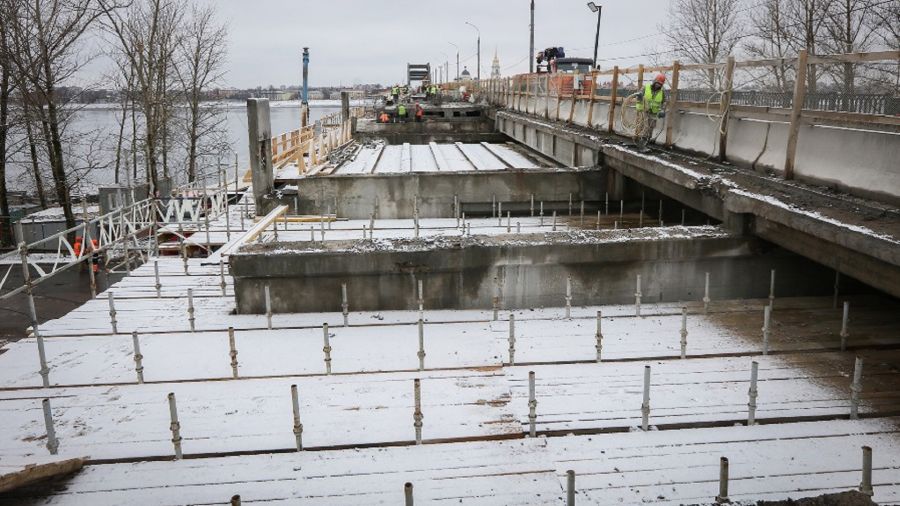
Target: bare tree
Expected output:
[147,34]
[704,31]
[203,52]
[770,40]
[43,47]
[806,22]
[849,29]
[6,80]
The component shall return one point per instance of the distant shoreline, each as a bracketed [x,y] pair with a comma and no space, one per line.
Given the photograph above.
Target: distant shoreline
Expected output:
[237,104]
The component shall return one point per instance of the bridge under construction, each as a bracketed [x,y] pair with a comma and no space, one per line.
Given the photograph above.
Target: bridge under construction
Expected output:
[507,302]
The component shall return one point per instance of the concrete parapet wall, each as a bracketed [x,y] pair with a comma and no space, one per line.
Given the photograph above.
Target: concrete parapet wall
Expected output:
[392,195]
[856,158]
[530,270]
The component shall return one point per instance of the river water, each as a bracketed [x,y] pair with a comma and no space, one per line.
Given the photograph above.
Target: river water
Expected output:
[98,126]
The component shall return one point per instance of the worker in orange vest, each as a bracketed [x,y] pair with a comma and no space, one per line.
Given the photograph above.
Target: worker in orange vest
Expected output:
[420,112]
[384,118]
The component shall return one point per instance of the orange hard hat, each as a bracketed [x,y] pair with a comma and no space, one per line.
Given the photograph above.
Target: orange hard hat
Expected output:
[660,78]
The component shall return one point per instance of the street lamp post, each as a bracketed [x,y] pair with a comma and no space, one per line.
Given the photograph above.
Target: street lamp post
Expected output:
[478,72]
[599,10]
[446,67]
[457,59]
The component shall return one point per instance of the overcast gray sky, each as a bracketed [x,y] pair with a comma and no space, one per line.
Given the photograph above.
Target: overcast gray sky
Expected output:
[356,41]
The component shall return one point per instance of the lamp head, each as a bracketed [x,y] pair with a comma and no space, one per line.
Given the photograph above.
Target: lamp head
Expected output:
[593,7]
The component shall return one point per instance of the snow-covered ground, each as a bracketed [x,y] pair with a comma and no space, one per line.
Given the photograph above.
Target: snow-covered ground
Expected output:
[358,421]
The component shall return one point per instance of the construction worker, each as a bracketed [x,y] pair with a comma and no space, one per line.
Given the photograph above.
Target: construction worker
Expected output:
[401,112]
[650,107]
[435,91]
[395,93]
[384,117]
[420,112]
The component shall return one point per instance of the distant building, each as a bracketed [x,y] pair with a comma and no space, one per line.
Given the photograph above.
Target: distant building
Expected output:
[316,95]
[466,75]
[495,66]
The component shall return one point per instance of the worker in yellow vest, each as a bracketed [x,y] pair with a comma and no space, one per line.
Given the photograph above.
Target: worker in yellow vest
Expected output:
[401,112]
[650,106]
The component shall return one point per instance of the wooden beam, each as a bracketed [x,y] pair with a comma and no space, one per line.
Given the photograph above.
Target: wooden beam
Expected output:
[798,99]
[547,97]
[724,107]
[892,55]
[572,110]
[558,94]
[613,99]
[32,473]
[591,100]
[673,102]
[640,76]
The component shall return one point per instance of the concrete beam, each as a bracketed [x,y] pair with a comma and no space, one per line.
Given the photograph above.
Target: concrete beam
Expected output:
[260,133]
[393,193]
[530,270]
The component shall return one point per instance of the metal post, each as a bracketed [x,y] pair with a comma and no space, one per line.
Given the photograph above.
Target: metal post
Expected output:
[508,222]
[493,205]
[598,219]
[112,312]
[222,275]
[599,337]
[772,289]
[660,213]
[570,488]
[532,406]
[206,226]
[541,214]
[321,229]
[138,357]
[52,442]
[421,352]
[156,277]
[568,297]
[500,214]
[190,309]
[298,427]
[44,371]
[518,228]
[554,221]
[767,317]
[837,287]
[420,299]
[175,426]
[856,388]
[684,331]
[512,339]
[865,486]
[753,393]
[645,406]
[606,202]
[417,414]
[570,204]
[531,205]
[621,210]
[345,303]
[844,322]
[408,493]
[184,257]
[87,243]
[706,294]
[268,295]
[327,348]
[371,226]
[637,297]
[232,353]
[582,213]
[722,498]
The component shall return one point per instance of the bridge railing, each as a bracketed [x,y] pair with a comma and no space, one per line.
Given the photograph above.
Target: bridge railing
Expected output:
[600,99]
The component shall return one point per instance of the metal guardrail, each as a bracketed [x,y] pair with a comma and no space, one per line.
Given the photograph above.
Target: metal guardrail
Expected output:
[117,229]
